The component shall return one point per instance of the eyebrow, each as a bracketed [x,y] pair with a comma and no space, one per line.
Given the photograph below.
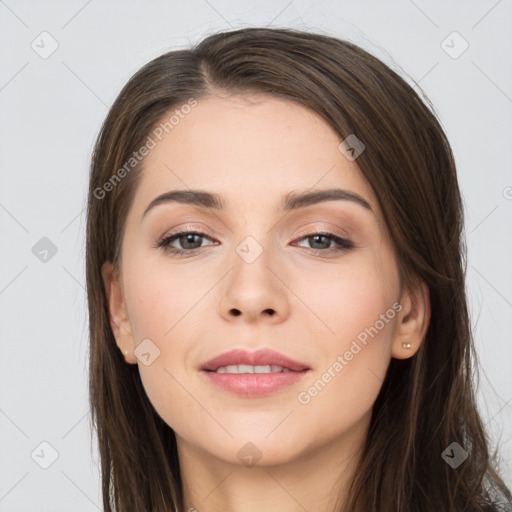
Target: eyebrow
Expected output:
[290,201]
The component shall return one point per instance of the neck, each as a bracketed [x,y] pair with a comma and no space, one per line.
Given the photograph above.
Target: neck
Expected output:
[312,481]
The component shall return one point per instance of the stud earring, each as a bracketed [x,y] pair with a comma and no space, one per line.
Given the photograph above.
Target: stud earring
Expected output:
[407,346]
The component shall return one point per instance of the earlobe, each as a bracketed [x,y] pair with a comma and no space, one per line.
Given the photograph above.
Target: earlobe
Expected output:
[119,321]
[413,322]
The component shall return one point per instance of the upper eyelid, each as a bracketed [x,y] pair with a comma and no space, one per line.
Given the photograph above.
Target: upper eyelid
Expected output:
[202,232]
[322,230]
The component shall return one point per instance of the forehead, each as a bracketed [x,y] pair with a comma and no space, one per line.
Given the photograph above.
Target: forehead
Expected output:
[251,150]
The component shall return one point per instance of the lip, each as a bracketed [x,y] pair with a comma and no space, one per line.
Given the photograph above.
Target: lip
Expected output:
[261,357]
[254,384]
[251,385]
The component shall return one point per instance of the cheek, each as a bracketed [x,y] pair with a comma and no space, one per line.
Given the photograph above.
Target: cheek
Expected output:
[355,305]
[344,299]
[157,300]
[166,309]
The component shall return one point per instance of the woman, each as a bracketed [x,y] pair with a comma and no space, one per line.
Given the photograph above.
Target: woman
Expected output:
[275,277]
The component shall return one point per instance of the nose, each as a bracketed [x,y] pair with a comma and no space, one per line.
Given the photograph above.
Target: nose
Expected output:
[255,291]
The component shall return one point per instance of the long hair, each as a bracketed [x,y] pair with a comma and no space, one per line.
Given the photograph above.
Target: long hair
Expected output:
[427,402]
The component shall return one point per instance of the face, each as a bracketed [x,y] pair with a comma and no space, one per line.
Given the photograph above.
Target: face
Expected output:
[318,283]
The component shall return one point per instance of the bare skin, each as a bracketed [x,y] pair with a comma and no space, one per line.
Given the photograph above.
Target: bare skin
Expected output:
[252,151]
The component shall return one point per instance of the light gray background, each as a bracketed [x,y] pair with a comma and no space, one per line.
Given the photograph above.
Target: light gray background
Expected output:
[51,110]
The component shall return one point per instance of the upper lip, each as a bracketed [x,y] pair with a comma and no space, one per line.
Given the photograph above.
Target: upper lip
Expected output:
[261,357]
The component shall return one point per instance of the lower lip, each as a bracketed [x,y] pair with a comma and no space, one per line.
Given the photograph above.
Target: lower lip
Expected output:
[254,384]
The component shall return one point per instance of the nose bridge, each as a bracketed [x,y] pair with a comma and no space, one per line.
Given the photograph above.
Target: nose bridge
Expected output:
[253,259]
[252,232]
[258,247]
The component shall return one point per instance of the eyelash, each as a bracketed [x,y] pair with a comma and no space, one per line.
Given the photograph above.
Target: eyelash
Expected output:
[344,244]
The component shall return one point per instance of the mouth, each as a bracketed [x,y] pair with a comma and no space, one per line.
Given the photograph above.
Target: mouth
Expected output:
[259,361]
[253,374]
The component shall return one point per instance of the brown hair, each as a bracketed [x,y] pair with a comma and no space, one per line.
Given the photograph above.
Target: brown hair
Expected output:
[427,401]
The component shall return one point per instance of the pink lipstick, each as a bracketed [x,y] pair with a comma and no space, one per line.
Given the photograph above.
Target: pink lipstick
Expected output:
[253,374]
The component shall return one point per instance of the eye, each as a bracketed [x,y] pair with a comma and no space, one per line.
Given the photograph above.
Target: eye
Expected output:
[187,239]
[319,240]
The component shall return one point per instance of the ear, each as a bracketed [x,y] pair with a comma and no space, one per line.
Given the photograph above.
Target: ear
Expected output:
[413,321]
[119,321]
